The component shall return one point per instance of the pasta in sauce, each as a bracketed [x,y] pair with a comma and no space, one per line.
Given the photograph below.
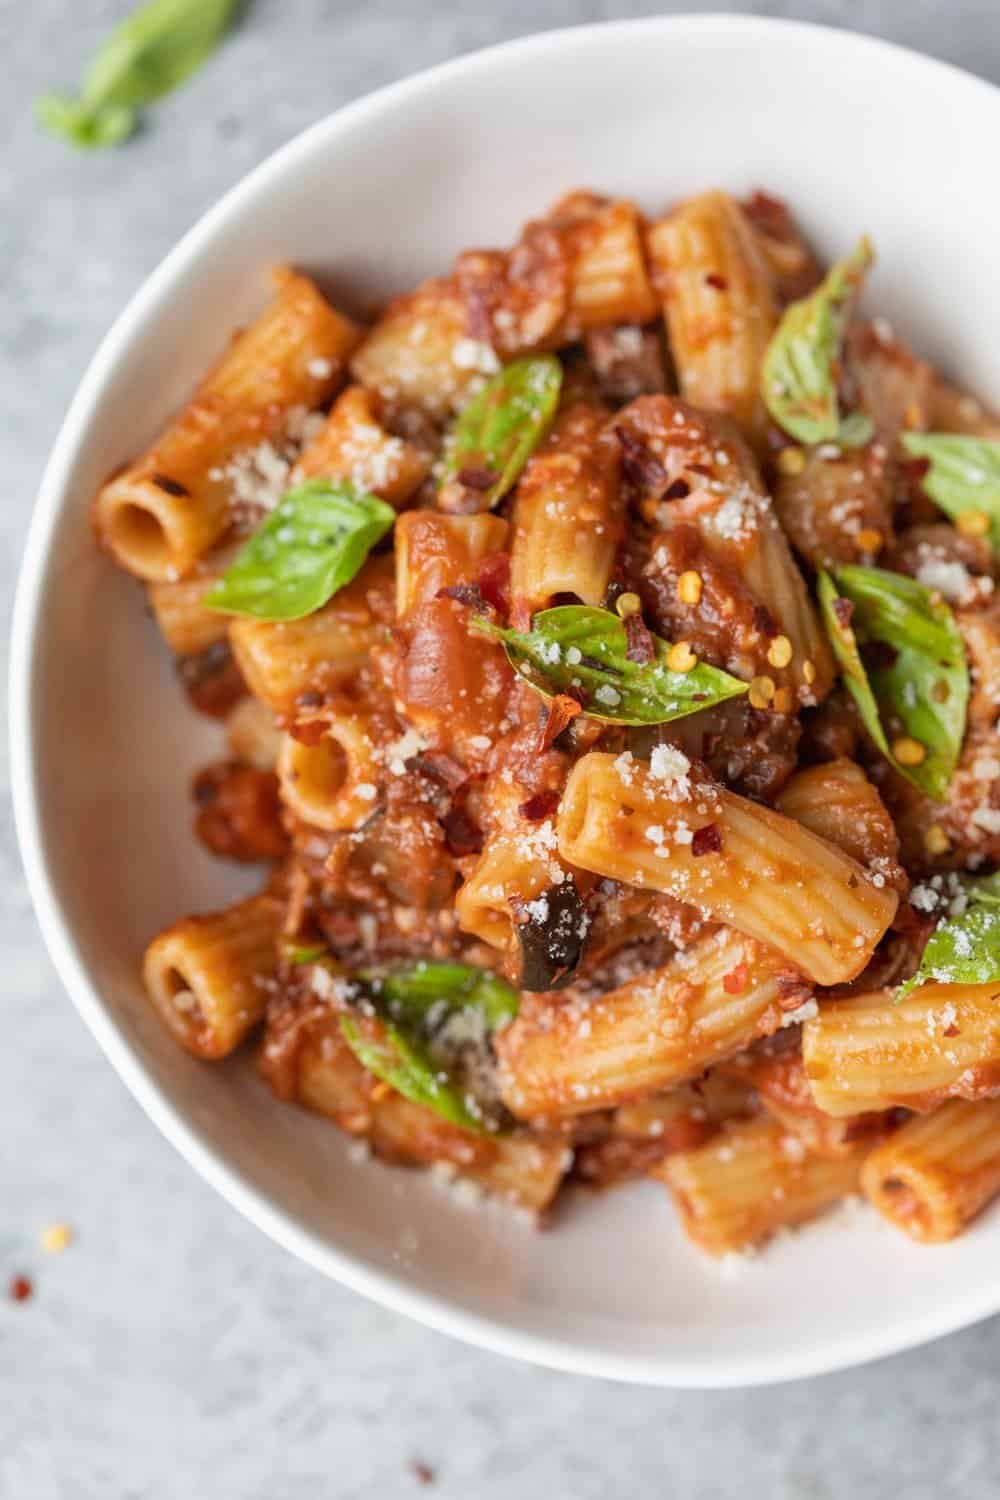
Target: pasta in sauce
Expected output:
[608,651]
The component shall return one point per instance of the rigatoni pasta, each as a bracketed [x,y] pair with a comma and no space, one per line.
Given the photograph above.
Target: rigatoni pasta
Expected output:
[938,1171]
[875,1052]
[710,1001]
[208,976]
[733,860]
[719,304]
[603,647]
[165,511]
[752,1180]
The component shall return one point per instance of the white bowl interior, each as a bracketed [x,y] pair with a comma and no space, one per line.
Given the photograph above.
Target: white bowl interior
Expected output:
[858,136]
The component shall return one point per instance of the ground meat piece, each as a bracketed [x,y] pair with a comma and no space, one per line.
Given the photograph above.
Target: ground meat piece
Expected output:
[626,360]
[724,627]
[969,818]
[796,269]
[751,750]
[677,449]
[604,1164]
[624,934]
[212,680]
[961,568]
[239,812]
[838,505]
[832,731]
[891,385]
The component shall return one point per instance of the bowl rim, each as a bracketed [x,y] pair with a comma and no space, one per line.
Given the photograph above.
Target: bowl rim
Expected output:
[391,1289]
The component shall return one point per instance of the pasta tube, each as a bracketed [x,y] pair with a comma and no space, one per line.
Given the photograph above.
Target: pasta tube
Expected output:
[709,1001]
[734,860]
[941,1041]
[937,1172]
[169,507]
[208,976]
[751,1180]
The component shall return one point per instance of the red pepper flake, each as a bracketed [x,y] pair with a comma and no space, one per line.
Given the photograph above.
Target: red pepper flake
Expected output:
[539,806]
[422,1473]
[476,477]
[712,278]
[171,486]
[707,840]
[735,982]
[843,610]
[639,643]
[21,1289]
[951,1030]
[493,581]
[562,711]
[212,680]
[439,766]
[915,468]
[638,464]
[461,834]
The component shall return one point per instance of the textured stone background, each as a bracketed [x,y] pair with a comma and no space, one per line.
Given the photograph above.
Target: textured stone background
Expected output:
[173,1353]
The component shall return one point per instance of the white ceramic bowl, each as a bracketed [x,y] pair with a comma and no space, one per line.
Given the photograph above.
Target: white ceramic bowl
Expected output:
[858,135]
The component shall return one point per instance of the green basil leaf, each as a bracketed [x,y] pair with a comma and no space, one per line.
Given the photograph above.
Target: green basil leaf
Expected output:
[964,474]
[312,544]
[799,379]
[408,1068]
[418,988]
[965,948]
[580,650]
[926,687]
[500,428]
[985,889]
[80,125]
[845,649]
[153,50]
[438,1019]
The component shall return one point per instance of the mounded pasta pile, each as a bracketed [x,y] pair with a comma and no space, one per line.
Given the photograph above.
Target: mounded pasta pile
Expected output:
[608,656]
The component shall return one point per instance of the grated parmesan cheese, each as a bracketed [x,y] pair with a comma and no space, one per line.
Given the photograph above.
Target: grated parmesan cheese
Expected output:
[671,766]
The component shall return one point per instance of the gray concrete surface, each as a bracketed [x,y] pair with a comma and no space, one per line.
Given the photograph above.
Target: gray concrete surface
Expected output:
[173,1353]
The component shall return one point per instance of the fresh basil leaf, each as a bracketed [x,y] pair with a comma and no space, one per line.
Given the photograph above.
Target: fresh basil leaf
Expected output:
[149,54]
[582,651]
[799,377]
[984,888]
[417,989]
[552,932]
[964,474]
[408,1067]
[845,649]
[925,687]
[855,430]
[965,948]
[89,128]
[311,545]
[500,428]
[437,1020]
